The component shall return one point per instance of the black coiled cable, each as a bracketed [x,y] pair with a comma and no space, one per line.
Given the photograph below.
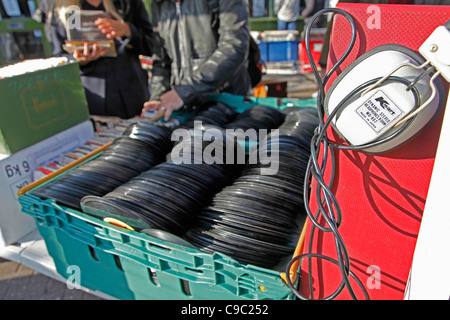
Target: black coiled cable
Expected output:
[328,206]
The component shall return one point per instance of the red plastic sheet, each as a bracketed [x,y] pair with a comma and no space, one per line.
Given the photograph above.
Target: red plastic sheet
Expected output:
[382,197]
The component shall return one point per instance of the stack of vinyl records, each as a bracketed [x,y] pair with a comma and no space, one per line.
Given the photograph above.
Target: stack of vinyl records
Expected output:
[169,196]
[212,113]
[257,219]
[142,146]
[257,117]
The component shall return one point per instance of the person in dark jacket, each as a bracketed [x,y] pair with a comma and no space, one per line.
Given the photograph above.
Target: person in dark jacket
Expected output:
[202,50]
[114,86]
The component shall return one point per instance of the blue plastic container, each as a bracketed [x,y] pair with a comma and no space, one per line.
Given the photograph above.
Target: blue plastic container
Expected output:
[279,51]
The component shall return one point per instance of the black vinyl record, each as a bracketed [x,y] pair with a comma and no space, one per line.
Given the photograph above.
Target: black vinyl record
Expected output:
[167,236]
[245,227]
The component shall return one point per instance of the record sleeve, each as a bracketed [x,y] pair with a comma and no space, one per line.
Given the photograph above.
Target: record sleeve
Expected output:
[81,28]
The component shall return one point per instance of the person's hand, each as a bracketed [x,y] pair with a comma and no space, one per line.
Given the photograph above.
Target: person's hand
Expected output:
[83,57]
[113,28]
[150,105]
[168,103]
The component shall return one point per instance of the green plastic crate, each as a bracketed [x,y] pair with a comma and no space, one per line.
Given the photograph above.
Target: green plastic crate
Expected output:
[241,103]
[130,265]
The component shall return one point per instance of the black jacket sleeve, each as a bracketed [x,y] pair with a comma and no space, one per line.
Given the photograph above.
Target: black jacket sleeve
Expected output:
[161,72]
[141,40]
[231,53]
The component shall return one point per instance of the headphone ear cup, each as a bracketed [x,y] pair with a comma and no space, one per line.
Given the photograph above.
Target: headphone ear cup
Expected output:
[366,119]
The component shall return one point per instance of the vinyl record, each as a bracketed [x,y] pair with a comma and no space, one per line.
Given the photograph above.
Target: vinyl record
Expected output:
[263,230]
[211,113]
[270,192]
[250,243]
[164,235]
[185,189]
[101,208]
[257,117]
[259,197]
[271,187]
[156,216]
[238,217]
[249,209]
[211,244]
[60,197]
[244,226]
[279,220]
[237,192]
[159,197]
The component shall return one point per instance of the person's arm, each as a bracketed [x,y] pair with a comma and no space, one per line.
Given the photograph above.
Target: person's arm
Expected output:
[276,6]
[308,9]
[230,55]
[136,29]
[161,72]
[161,92]
[142,34]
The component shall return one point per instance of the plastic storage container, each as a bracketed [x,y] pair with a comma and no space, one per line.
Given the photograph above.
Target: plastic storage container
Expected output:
[279,45]
[132,265]
[127,264]
[278,51]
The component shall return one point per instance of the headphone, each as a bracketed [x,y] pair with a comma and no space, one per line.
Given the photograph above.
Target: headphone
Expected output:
[397,94]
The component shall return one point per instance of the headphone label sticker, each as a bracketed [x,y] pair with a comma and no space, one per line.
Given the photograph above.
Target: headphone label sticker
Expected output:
[379,111]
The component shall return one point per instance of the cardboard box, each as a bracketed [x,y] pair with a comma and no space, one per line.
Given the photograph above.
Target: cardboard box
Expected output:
[16,171]
[37,105]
